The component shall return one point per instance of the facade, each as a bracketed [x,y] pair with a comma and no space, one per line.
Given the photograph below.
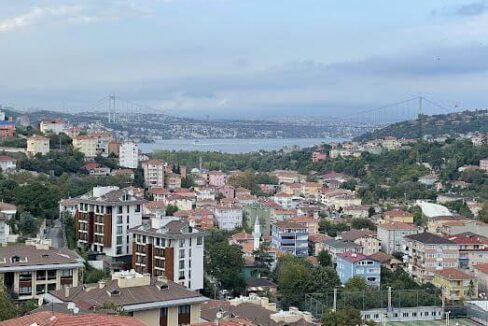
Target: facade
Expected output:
[7,163]
[427,253]
[398,215]
[339,246]
[216,178]
[391,235]
[169,246]
[129,155]
[456,285]
[473,249]
[351,264]
[7,126]
[54,126]
[103,218]
[228,218]
[32,269]
[484,164]
[86,144]
[154,301]
[37,144]
[153,173]
[290,237]
[172,181]
[7,212]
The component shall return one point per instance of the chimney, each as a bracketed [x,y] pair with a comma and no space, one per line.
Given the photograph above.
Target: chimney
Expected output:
[66,291]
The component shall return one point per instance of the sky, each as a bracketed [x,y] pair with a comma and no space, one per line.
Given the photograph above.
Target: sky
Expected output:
[243,58]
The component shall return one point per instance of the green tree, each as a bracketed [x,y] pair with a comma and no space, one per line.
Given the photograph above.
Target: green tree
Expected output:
[263,260]
[342,317]
[28,224]
[187,182]
[171,209]
[139,177]
[69,229]
[483,214]
[324,258]
[363,223]
[8,309]
[356,283]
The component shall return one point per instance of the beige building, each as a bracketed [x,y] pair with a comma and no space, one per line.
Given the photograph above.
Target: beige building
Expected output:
[153,173]
[37,144]
[35,268]
[154,301]
[397,215]
[456,285]
[86,144]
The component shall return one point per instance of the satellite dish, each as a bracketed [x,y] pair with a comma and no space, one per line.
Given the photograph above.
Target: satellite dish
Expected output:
[219,315]
[71,306]
[76,310]
[40,301]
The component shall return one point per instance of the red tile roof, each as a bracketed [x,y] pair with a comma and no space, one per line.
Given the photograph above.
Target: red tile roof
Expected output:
[5,158]
[397,226]
[353,257]
[482,267]
[47,318]
[453,274]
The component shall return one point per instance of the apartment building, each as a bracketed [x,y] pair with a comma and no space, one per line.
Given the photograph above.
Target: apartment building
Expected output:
[103,219]
[339,246]
[37,144]
[169,246]
[153,173]
[93,144]
[54,126]
[427,253]
[473,249]
[154,301]
[35,268]
[7,163]
[351,264]
[129,155]
[398,215]
[216,178]
[456,285]
[228,217]
[391,235]
[290,237]
[172,181]
[7,126]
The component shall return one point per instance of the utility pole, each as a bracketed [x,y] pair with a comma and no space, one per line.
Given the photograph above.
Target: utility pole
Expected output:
[334,306]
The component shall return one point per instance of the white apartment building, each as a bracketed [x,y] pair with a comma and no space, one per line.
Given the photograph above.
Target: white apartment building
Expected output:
[391,235]
[103,220]
[7,212]
[7,163]
[153,173]
[169,246]
[228,218]
[54,126]
[37,144]
[128,155]
[86,144]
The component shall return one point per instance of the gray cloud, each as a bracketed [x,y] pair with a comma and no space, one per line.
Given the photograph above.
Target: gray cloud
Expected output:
[472,9]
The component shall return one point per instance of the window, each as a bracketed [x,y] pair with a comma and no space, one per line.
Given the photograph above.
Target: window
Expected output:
[40,289]
[184,309]
[25,276]
[182,243]
[119,240]
[51,274]
[119,251]
[51,287]
[199,241]
[119,229]
[182,253]
[119,219]
[119,209]
[127,220]
[67,273]
[138,208]
[182,264]
[181,275]
[189,252]
[27,290]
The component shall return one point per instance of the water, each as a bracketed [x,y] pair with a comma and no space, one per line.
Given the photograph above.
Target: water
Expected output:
[233,145]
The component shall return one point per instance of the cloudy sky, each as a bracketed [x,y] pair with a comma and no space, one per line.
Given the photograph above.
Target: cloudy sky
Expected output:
[243,58]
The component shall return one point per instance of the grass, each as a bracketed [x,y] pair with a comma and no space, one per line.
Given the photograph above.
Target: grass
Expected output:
[462,322]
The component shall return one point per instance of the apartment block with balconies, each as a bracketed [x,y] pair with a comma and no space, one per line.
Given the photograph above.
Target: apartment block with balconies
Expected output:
[290,237]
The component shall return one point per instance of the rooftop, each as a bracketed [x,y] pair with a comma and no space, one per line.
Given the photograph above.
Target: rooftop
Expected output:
[353,257]
[429,238]
[453,274]
[37,256]
[48,318]
[391,226]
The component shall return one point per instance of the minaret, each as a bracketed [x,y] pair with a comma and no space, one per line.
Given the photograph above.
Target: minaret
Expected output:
[256,234]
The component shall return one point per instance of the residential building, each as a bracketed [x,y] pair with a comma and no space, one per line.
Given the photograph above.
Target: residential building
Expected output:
[7,163]
[154,301]
[398,215]
[227,190]
[312,224]
[7,212]
[404,314]
[426,253]
[128,155]
[456,285]
[96,169]
[228,217]
[484,164]
[481,275]
[351,264]
[316,243]
[216,178]
[53,318]
[113,148]
[290,237]
[339,246]
[53,126]
[318,156]
[169,246]
[153,173]
[286,176]
[7,126]
[391,235]
[473,249]
[93,144]
[37,144]
[103,219]
[284,200]
[69,205]
[32,269]
[172,181]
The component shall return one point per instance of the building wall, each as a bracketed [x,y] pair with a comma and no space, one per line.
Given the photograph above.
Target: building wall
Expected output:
[129,155]
[149,317]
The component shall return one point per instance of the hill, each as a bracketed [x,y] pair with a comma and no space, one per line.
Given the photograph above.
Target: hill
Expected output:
[452,124]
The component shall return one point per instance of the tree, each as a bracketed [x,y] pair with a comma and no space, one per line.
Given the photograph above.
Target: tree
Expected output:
[263,260]
[356,283]
[224,262]
[483,214]
[363,223]
[139,178]
[28,225]
[342,317]
[171,209]
[69,229]
[371,211]
[187,182]
[324,258]
[8,309]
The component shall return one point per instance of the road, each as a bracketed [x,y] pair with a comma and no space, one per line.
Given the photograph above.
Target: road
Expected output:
[55,233]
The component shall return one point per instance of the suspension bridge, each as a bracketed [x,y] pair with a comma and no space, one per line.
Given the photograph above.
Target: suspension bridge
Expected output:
[119,110]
